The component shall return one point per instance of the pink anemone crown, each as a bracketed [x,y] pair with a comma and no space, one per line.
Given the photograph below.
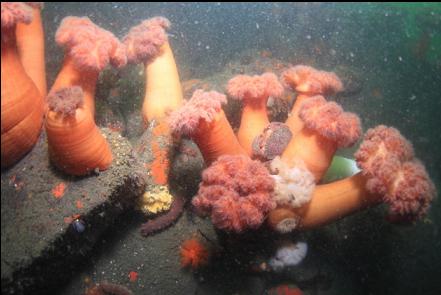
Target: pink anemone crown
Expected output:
[90,47]
[237,192]
[306,79]
[330,121]
[409,196]
[13,13]
[381,153]
[66,100]
[244,87]
[387,159]
[380,144]
[144,41]
[203,106]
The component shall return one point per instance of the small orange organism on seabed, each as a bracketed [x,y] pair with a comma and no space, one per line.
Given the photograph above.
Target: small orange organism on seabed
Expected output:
[194,254]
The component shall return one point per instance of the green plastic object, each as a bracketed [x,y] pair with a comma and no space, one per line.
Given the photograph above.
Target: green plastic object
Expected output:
[340,168]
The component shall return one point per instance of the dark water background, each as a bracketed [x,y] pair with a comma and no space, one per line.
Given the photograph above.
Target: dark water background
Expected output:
[394,49]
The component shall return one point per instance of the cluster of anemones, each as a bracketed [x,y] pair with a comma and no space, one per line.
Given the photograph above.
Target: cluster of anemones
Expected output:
[76,145]
[240,193]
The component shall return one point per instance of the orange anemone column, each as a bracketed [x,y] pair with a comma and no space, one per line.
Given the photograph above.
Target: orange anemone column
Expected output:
[390,174]
[88,50]
[326,128]
[203,119]
[21,101]
[254,92]
[76,145]
[31,48]
[148,43]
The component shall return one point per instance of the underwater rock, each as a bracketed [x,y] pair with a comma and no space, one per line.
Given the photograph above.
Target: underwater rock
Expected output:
[50,220]
[108,288]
